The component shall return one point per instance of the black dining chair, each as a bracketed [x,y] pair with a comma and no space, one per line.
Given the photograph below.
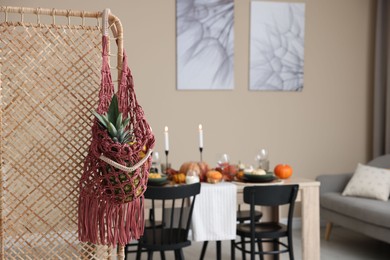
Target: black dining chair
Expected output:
[262,233]
[171,212]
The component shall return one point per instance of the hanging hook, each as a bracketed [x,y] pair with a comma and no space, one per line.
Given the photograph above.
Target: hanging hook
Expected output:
[68,15]
[21,10]
[6,14]
[38,15]
[83,18]
[53,14]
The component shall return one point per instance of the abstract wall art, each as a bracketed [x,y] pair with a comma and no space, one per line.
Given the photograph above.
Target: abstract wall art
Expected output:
[276,57]
[205,44]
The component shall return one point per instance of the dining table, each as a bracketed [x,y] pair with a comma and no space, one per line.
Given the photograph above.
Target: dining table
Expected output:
[214,216]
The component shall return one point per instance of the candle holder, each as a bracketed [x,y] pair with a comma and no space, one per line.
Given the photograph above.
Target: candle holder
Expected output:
[201,150]
[166,160]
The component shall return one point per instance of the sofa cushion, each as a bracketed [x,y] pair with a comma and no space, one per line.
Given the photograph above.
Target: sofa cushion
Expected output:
[367,210]
[369,182]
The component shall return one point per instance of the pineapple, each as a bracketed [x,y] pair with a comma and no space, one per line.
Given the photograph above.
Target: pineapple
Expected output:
[120,132]
[114,123]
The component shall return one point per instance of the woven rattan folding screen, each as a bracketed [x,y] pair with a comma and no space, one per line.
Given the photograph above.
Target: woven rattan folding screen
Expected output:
[50,77]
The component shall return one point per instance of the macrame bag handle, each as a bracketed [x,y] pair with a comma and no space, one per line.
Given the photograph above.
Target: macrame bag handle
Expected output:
[122,87]
[125,168]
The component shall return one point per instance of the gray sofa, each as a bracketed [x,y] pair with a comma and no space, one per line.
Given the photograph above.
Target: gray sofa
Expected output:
[367,216]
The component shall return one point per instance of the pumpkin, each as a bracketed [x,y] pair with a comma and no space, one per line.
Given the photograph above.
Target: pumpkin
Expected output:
[240,175]
[201,168]
[179,178]
[214,176]
[283,171]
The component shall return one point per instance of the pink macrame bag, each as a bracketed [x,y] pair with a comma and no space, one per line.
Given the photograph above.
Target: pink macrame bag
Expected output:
[111,209]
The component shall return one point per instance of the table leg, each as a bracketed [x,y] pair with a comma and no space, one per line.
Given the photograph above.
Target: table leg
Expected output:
[310,223]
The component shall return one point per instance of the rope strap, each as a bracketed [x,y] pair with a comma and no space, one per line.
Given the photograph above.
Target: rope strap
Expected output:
[125,168]
[106,13]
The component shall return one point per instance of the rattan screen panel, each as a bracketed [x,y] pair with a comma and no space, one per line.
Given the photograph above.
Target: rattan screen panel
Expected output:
[50,80]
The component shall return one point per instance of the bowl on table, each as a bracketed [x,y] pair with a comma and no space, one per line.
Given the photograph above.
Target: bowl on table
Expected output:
[157,179]
[263,177]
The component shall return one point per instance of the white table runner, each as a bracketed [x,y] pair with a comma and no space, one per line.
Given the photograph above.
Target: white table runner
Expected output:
[214,215]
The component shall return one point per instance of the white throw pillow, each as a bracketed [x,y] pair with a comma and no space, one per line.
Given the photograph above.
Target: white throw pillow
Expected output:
[369,182]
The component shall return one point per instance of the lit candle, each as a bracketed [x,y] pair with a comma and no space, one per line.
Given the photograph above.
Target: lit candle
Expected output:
[166,138]
[200,136]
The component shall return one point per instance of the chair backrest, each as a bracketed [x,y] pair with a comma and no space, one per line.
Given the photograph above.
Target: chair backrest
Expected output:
[171,210]
[272,195]
[172,192]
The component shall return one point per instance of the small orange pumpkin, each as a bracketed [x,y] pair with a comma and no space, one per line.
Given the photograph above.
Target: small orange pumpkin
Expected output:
[214,176]
[283,171]
[179,177]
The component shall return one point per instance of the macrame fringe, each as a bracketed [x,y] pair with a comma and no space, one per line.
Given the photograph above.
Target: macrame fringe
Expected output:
[109,224]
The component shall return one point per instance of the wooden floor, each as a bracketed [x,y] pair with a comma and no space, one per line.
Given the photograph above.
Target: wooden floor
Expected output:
[343,245]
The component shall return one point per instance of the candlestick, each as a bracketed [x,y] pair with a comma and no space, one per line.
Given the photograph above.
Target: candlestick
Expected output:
[166,160]
[166,137]
[200,136]
[201,150]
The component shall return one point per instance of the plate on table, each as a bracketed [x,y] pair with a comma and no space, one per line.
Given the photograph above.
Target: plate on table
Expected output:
[158,181]
[249,177]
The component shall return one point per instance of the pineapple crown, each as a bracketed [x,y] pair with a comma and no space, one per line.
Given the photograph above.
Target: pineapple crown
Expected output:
[114,123]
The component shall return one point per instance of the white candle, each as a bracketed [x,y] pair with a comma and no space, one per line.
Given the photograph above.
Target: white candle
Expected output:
[200,136]
[166,138]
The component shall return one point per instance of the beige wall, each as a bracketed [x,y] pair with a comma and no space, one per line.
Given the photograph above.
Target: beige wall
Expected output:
[325,128]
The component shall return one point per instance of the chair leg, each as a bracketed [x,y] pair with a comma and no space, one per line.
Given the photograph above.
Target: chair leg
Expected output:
[232,250]
[328,229]
[290,247]
[243,247]
[125,252]
[138,257]
[260,246]
[162,254]
[276,248]
[291,254]
[204,247]
[150,255]
[252,249]
[218,249]
[179,254]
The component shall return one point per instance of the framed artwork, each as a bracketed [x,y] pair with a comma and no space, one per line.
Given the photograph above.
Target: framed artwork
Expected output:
[205,44]
[277,32]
